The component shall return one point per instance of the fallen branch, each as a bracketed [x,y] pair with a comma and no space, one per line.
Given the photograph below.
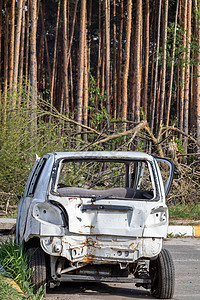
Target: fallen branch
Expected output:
[124,133]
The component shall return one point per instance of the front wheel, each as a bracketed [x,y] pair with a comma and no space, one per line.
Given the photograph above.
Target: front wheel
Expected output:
[38,263]
[162,273]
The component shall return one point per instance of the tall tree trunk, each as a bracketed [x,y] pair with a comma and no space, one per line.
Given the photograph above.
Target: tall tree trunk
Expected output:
[119,59]
[65,54]
[1,4]
[138,59]
[27,45]
[89,32]
[107,11]
[99,58]
[182,72]
[5,64]
[33,58]
[86,86]
[146,58]
[55,56]
[81,53]
[187,74]
[17,47]
[162,94]
[172,66]
[12,39]
[114,63]
[156,68]
[40,50]
[127,60]
[197,93]
[21,62]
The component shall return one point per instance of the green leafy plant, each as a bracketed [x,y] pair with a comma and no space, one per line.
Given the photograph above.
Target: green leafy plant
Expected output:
[15,262]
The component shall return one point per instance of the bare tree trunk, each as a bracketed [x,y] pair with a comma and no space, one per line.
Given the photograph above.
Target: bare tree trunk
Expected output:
[172,66]
[17,47]
[81,53]
[12,39]
[114,64]
[27,45]
[33,57]
[99,58]
[146,58]
[55,56]
[138,59]
[156,68]
[197,9]
[127,60]
[183,58]
[187,74]
[0,44]
[86,86]
[162,94]
[21,62]
[107,11]
[65,54]
[119,68]
[5,64]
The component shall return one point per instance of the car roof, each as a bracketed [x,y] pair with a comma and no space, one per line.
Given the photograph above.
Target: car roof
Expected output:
[112,155]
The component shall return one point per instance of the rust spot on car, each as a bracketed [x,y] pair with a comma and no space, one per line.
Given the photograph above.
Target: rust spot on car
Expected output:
[88,258]
[89,226]
[133,247]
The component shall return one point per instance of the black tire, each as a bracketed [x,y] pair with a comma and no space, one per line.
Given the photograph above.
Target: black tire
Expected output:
[38,263]
[162,273]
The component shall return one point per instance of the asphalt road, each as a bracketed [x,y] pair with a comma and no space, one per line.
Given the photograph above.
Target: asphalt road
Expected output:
[186,256]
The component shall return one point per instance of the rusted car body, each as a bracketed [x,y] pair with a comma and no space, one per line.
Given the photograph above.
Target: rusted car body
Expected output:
[97,216]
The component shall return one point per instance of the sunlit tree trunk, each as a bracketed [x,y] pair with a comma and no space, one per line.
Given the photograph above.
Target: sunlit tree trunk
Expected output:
[182,71]
[197,92]
[119,59]
[86,86]
[33,57]
[107,13]
[114,64]
[81,53]
[21,62]
[146,58]
[99,57]
[0,43]
[187,74]
[40,50]
[55,56]
[27,46]
[65,54]
[5,63]
[138,59]
[156,68]
[12,39]
[172,66]
[127,60]
[162,94]
[17,47]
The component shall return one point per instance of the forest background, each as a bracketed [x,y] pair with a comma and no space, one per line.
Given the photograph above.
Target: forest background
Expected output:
[100,75]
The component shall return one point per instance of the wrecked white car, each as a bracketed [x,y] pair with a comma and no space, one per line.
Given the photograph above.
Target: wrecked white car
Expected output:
[98,216]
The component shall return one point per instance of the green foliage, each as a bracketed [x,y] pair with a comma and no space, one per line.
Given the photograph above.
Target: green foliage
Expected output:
[179,145]
[15,262]
[21,138]
[189,211]
[98,114]
[7,291]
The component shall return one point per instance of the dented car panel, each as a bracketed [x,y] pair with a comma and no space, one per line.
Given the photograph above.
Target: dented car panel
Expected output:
[95,208]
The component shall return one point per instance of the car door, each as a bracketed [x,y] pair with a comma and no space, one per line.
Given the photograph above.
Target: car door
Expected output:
[167,171]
